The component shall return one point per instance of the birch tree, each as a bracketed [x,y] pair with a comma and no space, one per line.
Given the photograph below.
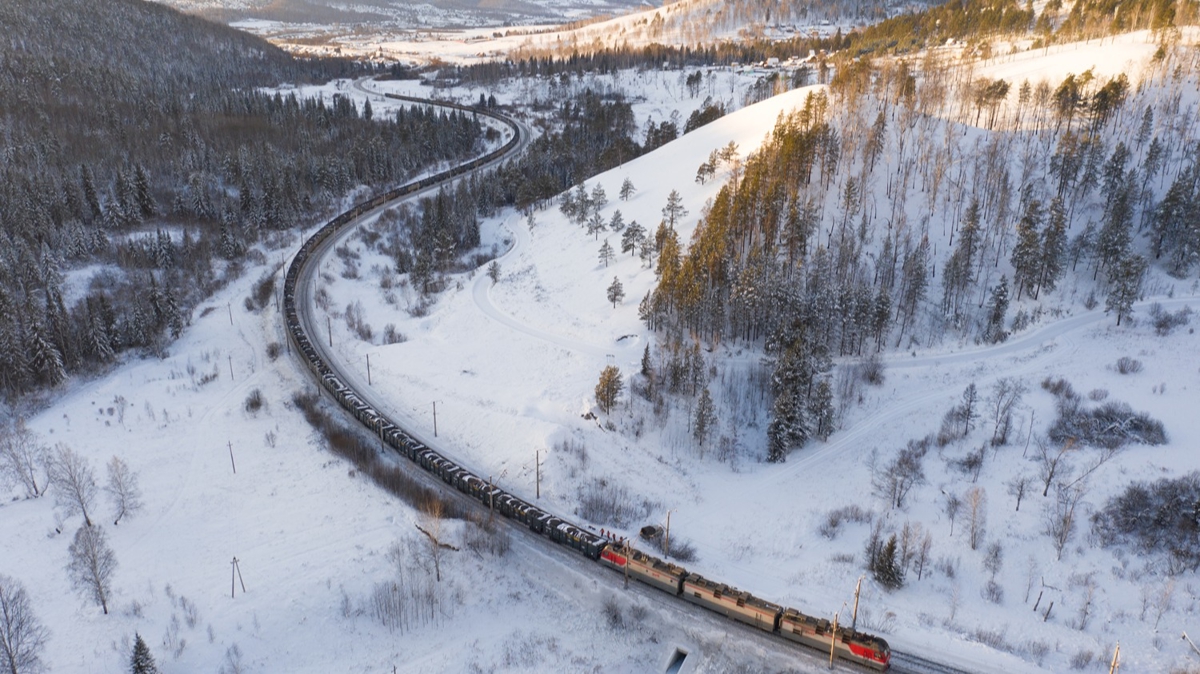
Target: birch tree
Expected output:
[74,482]
[22,635]
[92,565]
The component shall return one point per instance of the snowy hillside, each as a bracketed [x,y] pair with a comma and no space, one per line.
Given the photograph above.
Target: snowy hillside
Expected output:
[512,365]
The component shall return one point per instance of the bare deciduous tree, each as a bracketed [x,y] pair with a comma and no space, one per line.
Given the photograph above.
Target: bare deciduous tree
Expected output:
[92,564]
[432,514]
[993,561]
[952,505]
[923,554]
[976,498]
[22,636]
[1050,463]
[22,459]
[74,482]
[1006,394]
[122,489]
[1060,515]
[1017,486]
[895,480]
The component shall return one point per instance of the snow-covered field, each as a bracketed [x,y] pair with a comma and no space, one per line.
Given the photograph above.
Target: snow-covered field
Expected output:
[512,366]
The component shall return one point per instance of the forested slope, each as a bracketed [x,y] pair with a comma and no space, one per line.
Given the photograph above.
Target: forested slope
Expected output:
[137,143]
[907,207]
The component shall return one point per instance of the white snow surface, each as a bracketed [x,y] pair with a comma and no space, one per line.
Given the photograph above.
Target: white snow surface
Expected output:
[512,367]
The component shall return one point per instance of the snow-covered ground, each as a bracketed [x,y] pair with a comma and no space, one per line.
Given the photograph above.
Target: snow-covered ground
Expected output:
[512,367]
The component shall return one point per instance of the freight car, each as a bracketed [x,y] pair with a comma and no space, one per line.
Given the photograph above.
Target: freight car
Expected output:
[736,604]
[744,607]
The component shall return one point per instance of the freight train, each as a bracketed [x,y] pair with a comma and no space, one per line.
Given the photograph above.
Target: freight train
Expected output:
[738,605]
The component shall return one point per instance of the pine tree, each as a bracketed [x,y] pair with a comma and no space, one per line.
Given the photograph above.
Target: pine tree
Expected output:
[647,366]
[1125,285]
[606,253]
[886,567]
[1112,245]
[1054,245]
[88,184]
[969,407]
[599,198]
[44,358]
[787,424]
[1027,254]
[617,223]
[674,209]
[616,292]
[632,238]
[595,225]
[608,389]
[141,190]
[141,661]
[627,189]
[997,307]
[960,267]
[706,417]
[820,410]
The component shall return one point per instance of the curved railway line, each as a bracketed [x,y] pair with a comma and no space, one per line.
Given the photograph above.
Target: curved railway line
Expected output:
[772,619]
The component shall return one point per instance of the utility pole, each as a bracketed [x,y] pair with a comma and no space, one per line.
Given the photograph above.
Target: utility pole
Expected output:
[235,573]
[1185,638]
[435,418]
[329,324]
[229,308]
[230,368]
[667,536]
[626,546]
[491,499]
[854,620]
[1116,662]
[368,369]
[537,467]
[231,463]
[833,640]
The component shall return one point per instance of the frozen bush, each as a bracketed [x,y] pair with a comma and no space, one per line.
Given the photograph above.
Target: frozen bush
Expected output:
[1155,517]
[1082,659]
[255,402]
[1165,322]
[609,504]
[1110,425]
[1127,365]
[834,519]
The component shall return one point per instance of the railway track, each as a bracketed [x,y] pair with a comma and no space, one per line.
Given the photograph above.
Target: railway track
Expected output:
[358,400]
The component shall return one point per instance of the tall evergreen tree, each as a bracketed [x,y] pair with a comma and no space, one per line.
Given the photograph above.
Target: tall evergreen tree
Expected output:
[141,661]
[885,567]
[608,389]
[706,417]
[1054,245]
[1125,285]
[627,189]
[606,253]
[1112,245]
[960,267]
[616,292]
[994,331]
[820,410]
[1027,253]
[633,236]
[674,210]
